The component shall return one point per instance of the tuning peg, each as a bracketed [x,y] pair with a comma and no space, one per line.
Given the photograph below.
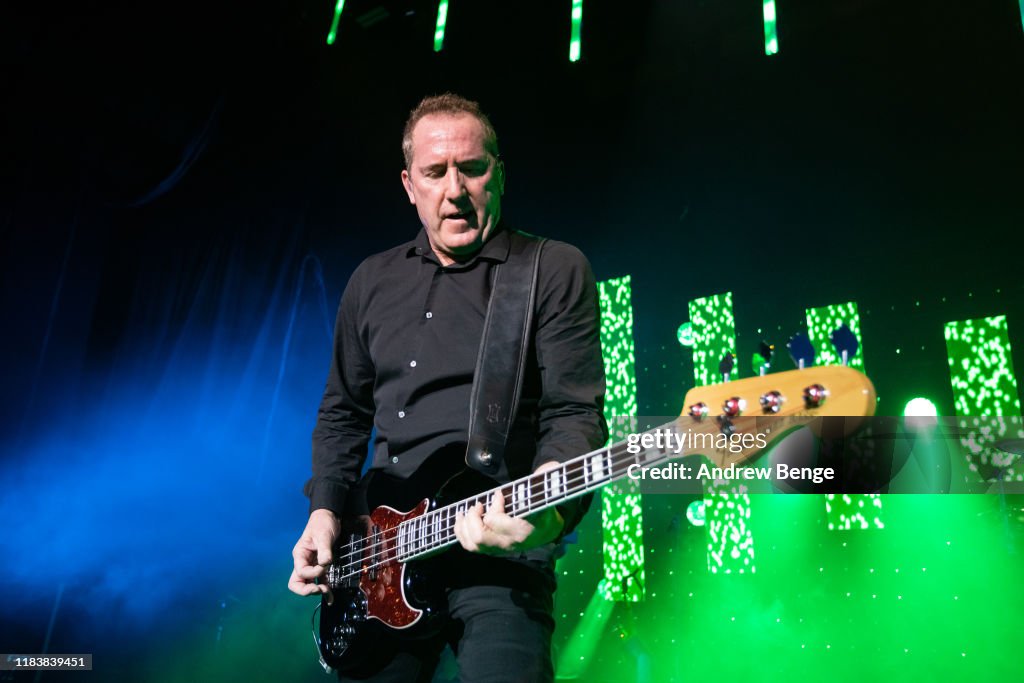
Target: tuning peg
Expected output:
[845,342]
[726,365]
[801,350]
[759,364]
[763,358]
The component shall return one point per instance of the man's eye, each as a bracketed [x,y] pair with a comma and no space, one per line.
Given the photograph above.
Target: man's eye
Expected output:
[474,170]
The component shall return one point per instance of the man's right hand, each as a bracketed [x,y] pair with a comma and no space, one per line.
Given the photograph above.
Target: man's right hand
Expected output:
[313,553]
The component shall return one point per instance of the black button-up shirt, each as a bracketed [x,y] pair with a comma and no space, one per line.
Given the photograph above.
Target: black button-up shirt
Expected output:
[405,347]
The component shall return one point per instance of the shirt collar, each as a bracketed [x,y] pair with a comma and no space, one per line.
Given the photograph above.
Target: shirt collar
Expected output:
[495,249]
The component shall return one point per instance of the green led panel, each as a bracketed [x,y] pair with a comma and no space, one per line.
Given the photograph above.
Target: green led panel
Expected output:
[771,34]
[621,502]
[859,511]
[730,542]
[332,35]
[574,38]
[820,324]
[442,19]
[714,334]
[984,385]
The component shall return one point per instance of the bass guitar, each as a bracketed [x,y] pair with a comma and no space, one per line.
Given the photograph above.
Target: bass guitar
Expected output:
[380,576]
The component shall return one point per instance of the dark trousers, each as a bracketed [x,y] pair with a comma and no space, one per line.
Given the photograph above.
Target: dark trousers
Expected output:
[499,635]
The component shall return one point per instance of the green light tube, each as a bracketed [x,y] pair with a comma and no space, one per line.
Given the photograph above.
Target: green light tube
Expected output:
[730,540]
[621,502]
[332,35]
[858,511]
[574,39]
[771,35]
[442,19]
[984,385]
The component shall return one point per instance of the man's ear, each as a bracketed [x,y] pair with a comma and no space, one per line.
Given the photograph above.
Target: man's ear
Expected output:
[407,184]
[501,176]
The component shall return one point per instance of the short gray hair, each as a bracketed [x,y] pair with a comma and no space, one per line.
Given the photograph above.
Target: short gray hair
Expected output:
[452,105]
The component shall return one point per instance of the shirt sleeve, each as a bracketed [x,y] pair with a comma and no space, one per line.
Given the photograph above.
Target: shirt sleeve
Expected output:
[345,418]
[568,343]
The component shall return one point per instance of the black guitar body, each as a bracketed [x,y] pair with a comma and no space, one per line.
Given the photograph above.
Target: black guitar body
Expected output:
[375,607]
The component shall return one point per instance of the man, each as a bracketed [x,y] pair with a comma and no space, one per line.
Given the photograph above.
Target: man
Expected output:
[406,343]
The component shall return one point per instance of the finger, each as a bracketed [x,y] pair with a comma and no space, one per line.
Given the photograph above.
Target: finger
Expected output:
[484,538]
[460,533]
[516,530]
[324,540]
[310,573]
[300,586]
[473,524]
[497,505]
[303,549]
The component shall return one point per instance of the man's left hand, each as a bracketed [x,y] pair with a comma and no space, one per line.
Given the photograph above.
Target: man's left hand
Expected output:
[491,531]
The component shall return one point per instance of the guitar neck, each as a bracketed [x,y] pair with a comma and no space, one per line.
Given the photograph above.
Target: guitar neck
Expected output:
[434,530]
[779,402]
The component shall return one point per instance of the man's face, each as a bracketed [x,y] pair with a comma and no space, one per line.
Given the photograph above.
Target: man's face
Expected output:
[455,183]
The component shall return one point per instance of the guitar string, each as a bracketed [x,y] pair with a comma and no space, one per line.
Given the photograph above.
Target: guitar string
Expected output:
[378,558]
[350,548]
[611,450]
[445,534]
[483,497]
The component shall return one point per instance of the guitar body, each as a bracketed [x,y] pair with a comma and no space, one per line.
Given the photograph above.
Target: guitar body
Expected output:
[381,599]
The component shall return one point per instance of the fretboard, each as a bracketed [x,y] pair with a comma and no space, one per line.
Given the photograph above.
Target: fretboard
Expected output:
[434,529]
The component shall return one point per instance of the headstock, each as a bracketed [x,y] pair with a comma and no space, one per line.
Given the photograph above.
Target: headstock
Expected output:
[772,405]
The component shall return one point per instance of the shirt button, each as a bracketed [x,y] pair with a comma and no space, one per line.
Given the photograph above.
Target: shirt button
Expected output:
[429,315]
[412,364]
[401,413]
[394,458]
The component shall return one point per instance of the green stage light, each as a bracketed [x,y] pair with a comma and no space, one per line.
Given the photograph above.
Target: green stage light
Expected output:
[920,407]
[771,34]
[714,335]
[621,502]
[860,511]
[730,541]
[580,647]
[853,511]
[332,35]
[984,386]
[695,513]
[442,19]
[821,322]
[574,38]
[685,334]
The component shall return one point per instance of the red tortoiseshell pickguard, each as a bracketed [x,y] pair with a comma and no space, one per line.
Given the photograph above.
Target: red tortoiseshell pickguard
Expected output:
[385,598]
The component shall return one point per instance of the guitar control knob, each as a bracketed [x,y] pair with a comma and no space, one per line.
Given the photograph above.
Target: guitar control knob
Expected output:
[815,395]
[772,402]
[699,411]
[734,406]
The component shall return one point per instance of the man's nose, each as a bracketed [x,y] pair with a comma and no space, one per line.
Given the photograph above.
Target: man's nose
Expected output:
[455,185]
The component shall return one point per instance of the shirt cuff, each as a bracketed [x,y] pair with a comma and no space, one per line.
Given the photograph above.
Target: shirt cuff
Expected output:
[326,494]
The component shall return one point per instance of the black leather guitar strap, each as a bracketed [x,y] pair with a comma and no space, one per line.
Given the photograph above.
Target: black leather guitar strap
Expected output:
[501,361]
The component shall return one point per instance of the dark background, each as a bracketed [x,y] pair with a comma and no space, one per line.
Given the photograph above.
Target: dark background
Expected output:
[187,187]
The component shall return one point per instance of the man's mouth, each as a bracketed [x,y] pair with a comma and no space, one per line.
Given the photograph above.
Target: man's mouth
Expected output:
[461,216]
